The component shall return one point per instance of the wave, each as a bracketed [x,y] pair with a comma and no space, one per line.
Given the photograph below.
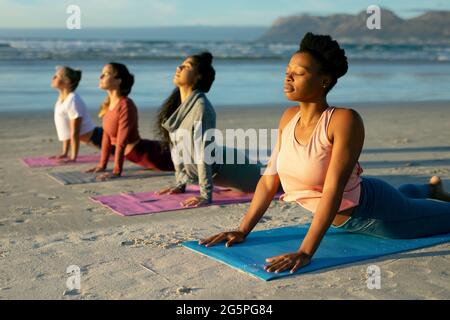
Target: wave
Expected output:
[46,49]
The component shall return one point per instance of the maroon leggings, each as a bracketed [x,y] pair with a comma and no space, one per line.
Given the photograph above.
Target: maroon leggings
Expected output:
[150,155]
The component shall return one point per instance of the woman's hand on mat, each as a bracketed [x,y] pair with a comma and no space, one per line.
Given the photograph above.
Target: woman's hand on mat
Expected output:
[231,237]
[170,190]
[66,160]
[58,157]
[106,176]
[194,202]
[95,170]
[292,261]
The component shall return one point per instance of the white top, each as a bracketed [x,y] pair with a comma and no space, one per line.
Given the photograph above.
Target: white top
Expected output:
[71,108]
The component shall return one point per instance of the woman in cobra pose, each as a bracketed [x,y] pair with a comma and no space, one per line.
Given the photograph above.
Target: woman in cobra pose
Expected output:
[120,127]
[182,112]
[72,120]
[316,161]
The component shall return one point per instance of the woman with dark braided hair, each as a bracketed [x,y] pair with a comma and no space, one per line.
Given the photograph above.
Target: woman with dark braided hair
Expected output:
[184,121]
[120,125]
[316,161]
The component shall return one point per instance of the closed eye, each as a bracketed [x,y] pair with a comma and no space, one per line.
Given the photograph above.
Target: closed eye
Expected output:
[295,73]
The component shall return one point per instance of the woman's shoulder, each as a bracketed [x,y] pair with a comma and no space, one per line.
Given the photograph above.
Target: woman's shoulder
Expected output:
[203,104]
[345,120]
[73,101]
[76,98]
[342,115]
[287,116]
[70,99]
[202,98]
[127,103]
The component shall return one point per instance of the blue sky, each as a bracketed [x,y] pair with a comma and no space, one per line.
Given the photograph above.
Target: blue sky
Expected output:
[148,13]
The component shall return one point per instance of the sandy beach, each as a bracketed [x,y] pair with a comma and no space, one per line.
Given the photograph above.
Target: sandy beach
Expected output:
[46,227]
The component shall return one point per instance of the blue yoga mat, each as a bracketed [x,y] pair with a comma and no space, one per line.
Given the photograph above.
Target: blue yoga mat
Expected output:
[338,247]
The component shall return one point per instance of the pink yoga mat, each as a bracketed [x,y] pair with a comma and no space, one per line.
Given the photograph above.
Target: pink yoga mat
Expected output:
[36,162]
[131,204]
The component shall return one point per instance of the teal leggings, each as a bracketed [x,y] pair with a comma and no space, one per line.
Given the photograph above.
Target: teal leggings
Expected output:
[243,177]
[402,213]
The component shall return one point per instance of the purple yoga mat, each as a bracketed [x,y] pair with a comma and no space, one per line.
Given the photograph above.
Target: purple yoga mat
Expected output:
[130,204]
[36,162]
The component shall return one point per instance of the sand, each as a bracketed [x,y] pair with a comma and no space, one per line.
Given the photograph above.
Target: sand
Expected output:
[46,227]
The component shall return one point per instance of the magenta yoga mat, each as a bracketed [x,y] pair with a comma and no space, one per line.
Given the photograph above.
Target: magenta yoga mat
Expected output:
[37,162]
[130,204]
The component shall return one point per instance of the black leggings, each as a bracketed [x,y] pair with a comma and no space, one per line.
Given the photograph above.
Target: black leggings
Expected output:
[96,139]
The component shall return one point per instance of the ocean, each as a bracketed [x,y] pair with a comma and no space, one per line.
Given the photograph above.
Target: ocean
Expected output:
[248,72]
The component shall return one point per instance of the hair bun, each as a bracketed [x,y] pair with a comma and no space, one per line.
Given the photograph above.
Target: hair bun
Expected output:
[328,49]
[131,78]
[78,74]
[207,57]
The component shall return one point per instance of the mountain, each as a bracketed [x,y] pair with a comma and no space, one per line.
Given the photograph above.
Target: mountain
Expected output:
[431,27]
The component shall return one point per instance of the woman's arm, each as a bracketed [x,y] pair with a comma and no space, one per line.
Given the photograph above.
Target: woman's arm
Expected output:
[75,126]
[106,151]
[127,120]
[266,189]
[181,178]
[348,140]
[65,148]
[104,154]
[203,120]
[204,168]
[347,146]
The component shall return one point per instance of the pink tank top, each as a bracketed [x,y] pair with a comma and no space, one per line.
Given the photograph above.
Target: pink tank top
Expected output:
[302,168]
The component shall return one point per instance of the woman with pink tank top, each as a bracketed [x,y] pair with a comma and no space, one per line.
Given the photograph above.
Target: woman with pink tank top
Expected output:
[316,162]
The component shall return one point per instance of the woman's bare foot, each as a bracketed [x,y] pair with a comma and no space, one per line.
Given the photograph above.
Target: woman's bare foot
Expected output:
[437,190]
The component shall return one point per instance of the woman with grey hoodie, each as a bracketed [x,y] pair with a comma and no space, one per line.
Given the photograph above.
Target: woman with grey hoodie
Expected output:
[185,122]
